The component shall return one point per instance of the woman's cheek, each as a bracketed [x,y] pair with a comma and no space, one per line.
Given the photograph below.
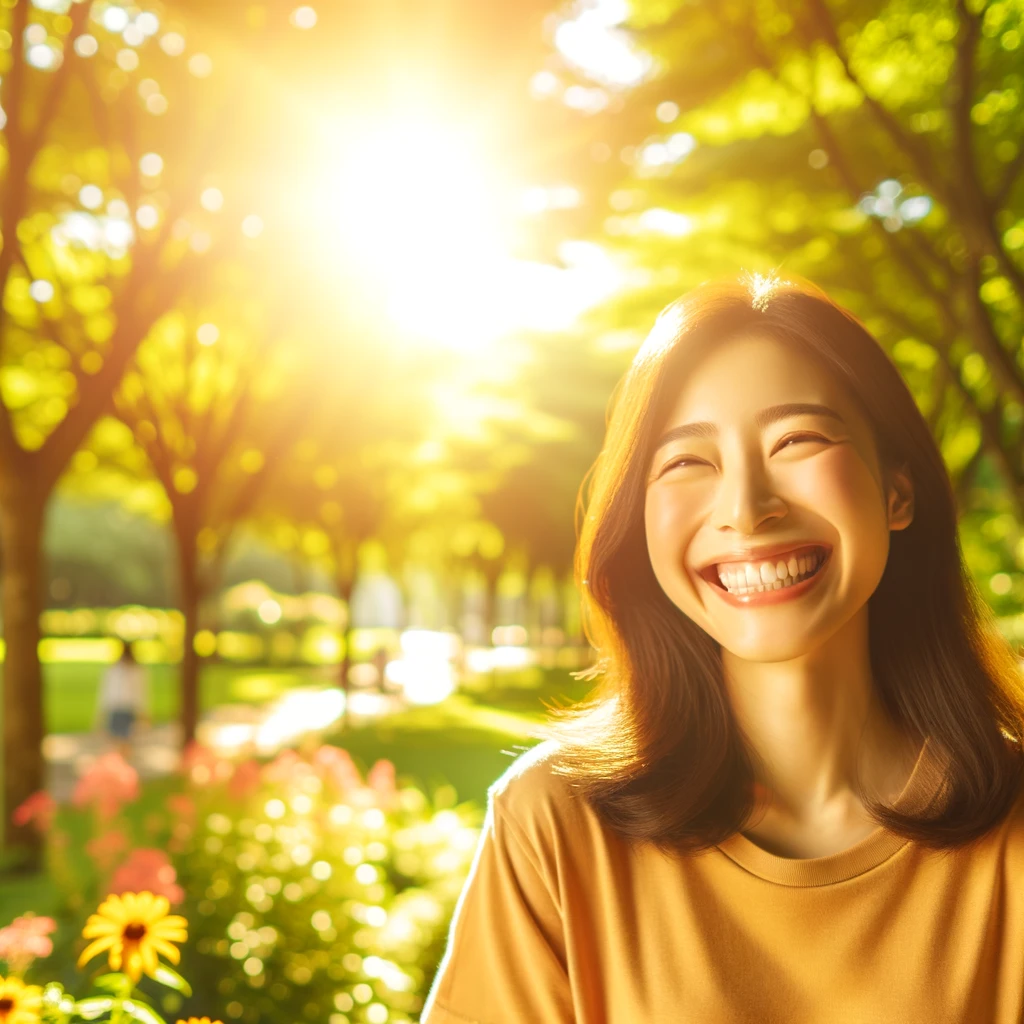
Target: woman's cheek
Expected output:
[666,530]
[839,480]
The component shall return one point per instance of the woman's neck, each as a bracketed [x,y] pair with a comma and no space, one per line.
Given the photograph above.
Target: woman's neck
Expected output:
[823,742]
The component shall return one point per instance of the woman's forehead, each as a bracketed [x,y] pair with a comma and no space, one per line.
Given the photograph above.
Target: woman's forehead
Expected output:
[740,375]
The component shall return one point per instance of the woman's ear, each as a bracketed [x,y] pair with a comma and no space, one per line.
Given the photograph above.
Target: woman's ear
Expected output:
[900,507]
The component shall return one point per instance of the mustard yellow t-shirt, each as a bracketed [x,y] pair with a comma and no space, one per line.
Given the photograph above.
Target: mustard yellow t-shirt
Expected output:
[562,921]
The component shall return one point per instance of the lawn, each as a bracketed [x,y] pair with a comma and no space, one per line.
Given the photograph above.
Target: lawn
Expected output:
[465,742]
[71,689]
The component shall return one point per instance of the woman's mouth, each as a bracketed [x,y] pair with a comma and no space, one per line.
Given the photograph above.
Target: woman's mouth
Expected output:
[744,588]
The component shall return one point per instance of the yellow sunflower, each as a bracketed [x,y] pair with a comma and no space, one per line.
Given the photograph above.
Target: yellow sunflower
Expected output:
[199,1020]
[19,1003]
[134,926]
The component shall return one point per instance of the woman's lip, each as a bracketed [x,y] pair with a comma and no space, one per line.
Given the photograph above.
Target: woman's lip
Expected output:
[772,596]
[710,571]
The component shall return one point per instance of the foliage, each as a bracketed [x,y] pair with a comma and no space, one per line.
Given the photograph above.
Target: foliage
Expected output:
[133,928]
[103,232]
[872,147]
[312,893]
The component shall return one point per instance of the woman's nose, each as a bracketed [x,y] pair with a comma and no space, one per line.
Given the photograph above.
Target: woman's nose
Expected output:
[746,496]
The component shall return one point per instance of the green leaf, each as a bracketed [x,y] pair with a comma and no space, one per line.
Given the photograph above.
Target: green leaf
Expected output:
[90,1009]
[141,1012]
[110,982]
[172,979]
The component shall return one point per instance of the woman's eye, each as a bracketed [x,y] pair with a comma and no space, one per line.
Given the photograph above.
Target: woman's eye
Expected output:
[802,437]
[684,460]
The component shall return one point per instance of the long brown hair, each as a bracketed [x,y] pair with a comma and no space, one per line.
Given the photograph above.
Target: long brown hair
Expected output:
[655,748]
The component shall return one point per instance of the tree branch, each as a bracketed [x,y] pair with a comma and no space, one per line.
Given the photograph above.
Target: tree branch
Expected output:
[976,212]
[246,495]
[97,396]
[919,155]
[962,485]
[1004,190]
[156,450]
[100,113]
[963,99]
[61,77]
[23,144]
[990,421]
[1001,363]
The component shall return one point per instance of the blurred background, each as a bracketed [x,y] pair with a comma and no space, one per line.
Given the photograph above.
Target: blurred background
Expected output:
[310,320]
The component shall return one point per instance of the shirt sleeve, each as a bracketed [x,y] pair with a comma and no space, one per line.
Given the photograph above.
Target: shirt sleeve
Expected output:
[505,961]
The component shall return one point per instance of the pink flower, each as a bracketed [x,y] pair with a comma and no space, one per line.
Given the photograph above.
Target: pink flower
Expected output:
[107,783]
[285,768]
[204,765]
[245,780]
[336,766]
[148,869]
[182,806]
[381,779]
[38,809]
[106,848]
[25,939]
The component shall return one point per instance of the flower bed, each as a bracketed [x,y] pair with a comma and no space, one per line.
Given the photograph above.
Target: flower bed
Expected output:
[311,893]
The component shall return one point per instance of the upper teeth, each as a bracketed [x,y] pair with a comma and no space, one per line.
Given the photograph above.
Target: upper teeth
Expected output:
[752,574]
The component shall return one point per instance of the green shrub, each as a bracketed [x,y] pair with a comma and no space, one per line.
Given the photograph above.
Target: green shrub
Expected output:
[311,893]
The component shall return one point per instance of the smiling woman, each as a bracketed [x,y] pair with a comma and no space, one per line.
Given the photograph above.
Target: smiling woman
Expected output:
[796,793]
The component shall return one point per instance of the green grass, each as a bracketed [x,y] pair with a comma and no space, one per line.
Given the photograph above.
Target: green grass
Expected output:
[71,688]
[465,742]
[457,743]
[21,892]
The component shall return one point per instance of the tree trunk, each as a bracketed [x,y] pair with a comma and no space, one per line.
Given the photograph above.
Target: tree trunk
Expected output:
[21,533]
[345,586]
[189,598]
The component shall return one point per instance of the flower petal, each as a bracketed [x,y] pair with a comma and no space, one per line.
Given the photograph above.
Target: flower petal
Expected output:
[113,908]
[156,908]
[133,964]
[147,957]
[105,942]
[100,926]
[171,952]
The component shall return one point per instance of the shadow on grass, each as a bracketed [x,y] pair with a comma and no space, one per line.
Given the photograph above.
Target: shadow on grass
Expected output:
[458,743]
[465,742]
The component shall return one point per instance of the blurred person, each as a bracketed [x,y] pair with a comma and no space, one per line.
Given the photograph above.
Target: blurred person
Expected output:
[797,793]
[381,656]
[123,703]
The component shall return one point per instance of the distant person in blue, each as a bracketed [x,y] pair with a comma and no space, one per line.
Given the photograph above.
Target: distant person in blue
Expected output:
[123,700]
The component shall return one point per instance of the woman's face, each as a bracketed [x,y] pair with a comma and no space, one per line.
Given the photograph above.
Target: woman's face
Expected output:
[741,483]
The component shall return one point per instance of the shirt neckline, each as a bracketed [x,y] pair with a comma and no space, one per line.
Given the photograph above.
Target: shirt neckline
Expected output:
[921,788]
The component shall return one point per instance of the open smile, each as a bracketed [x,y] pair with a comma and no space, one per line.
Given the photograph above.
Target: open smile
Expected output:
[773,593]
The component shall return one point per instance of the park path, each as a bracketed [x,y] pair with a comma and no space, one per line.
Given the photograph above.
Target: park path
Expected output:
[298,713]
[67,755]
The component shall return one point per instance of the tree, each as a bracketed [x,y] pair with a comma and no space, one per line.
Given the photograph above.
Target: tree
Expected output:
[96,249]
[872,147]
[361,470]
[217,396]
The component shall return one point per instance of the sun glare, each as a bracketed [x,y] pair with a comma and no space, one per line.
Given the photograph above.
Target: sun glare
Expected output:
[421,223]
[411,211]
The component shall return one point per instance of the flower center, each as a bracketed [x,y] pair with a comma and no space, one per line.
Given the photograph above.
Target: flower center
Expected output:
[6,1004]
[134,931]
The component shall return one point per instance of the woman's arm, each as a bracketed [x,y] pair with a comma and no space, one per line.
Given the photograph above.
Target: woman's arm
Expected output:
[505,962]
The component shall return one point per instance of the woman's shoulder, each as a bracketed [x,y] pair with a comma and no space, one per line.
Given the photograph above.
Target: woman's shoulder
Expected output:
[1013,822]
[534,794]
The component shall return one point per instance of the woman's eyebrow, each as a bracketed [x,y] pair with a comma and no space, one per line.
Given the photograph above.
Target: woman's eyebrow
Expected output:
[762,419]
